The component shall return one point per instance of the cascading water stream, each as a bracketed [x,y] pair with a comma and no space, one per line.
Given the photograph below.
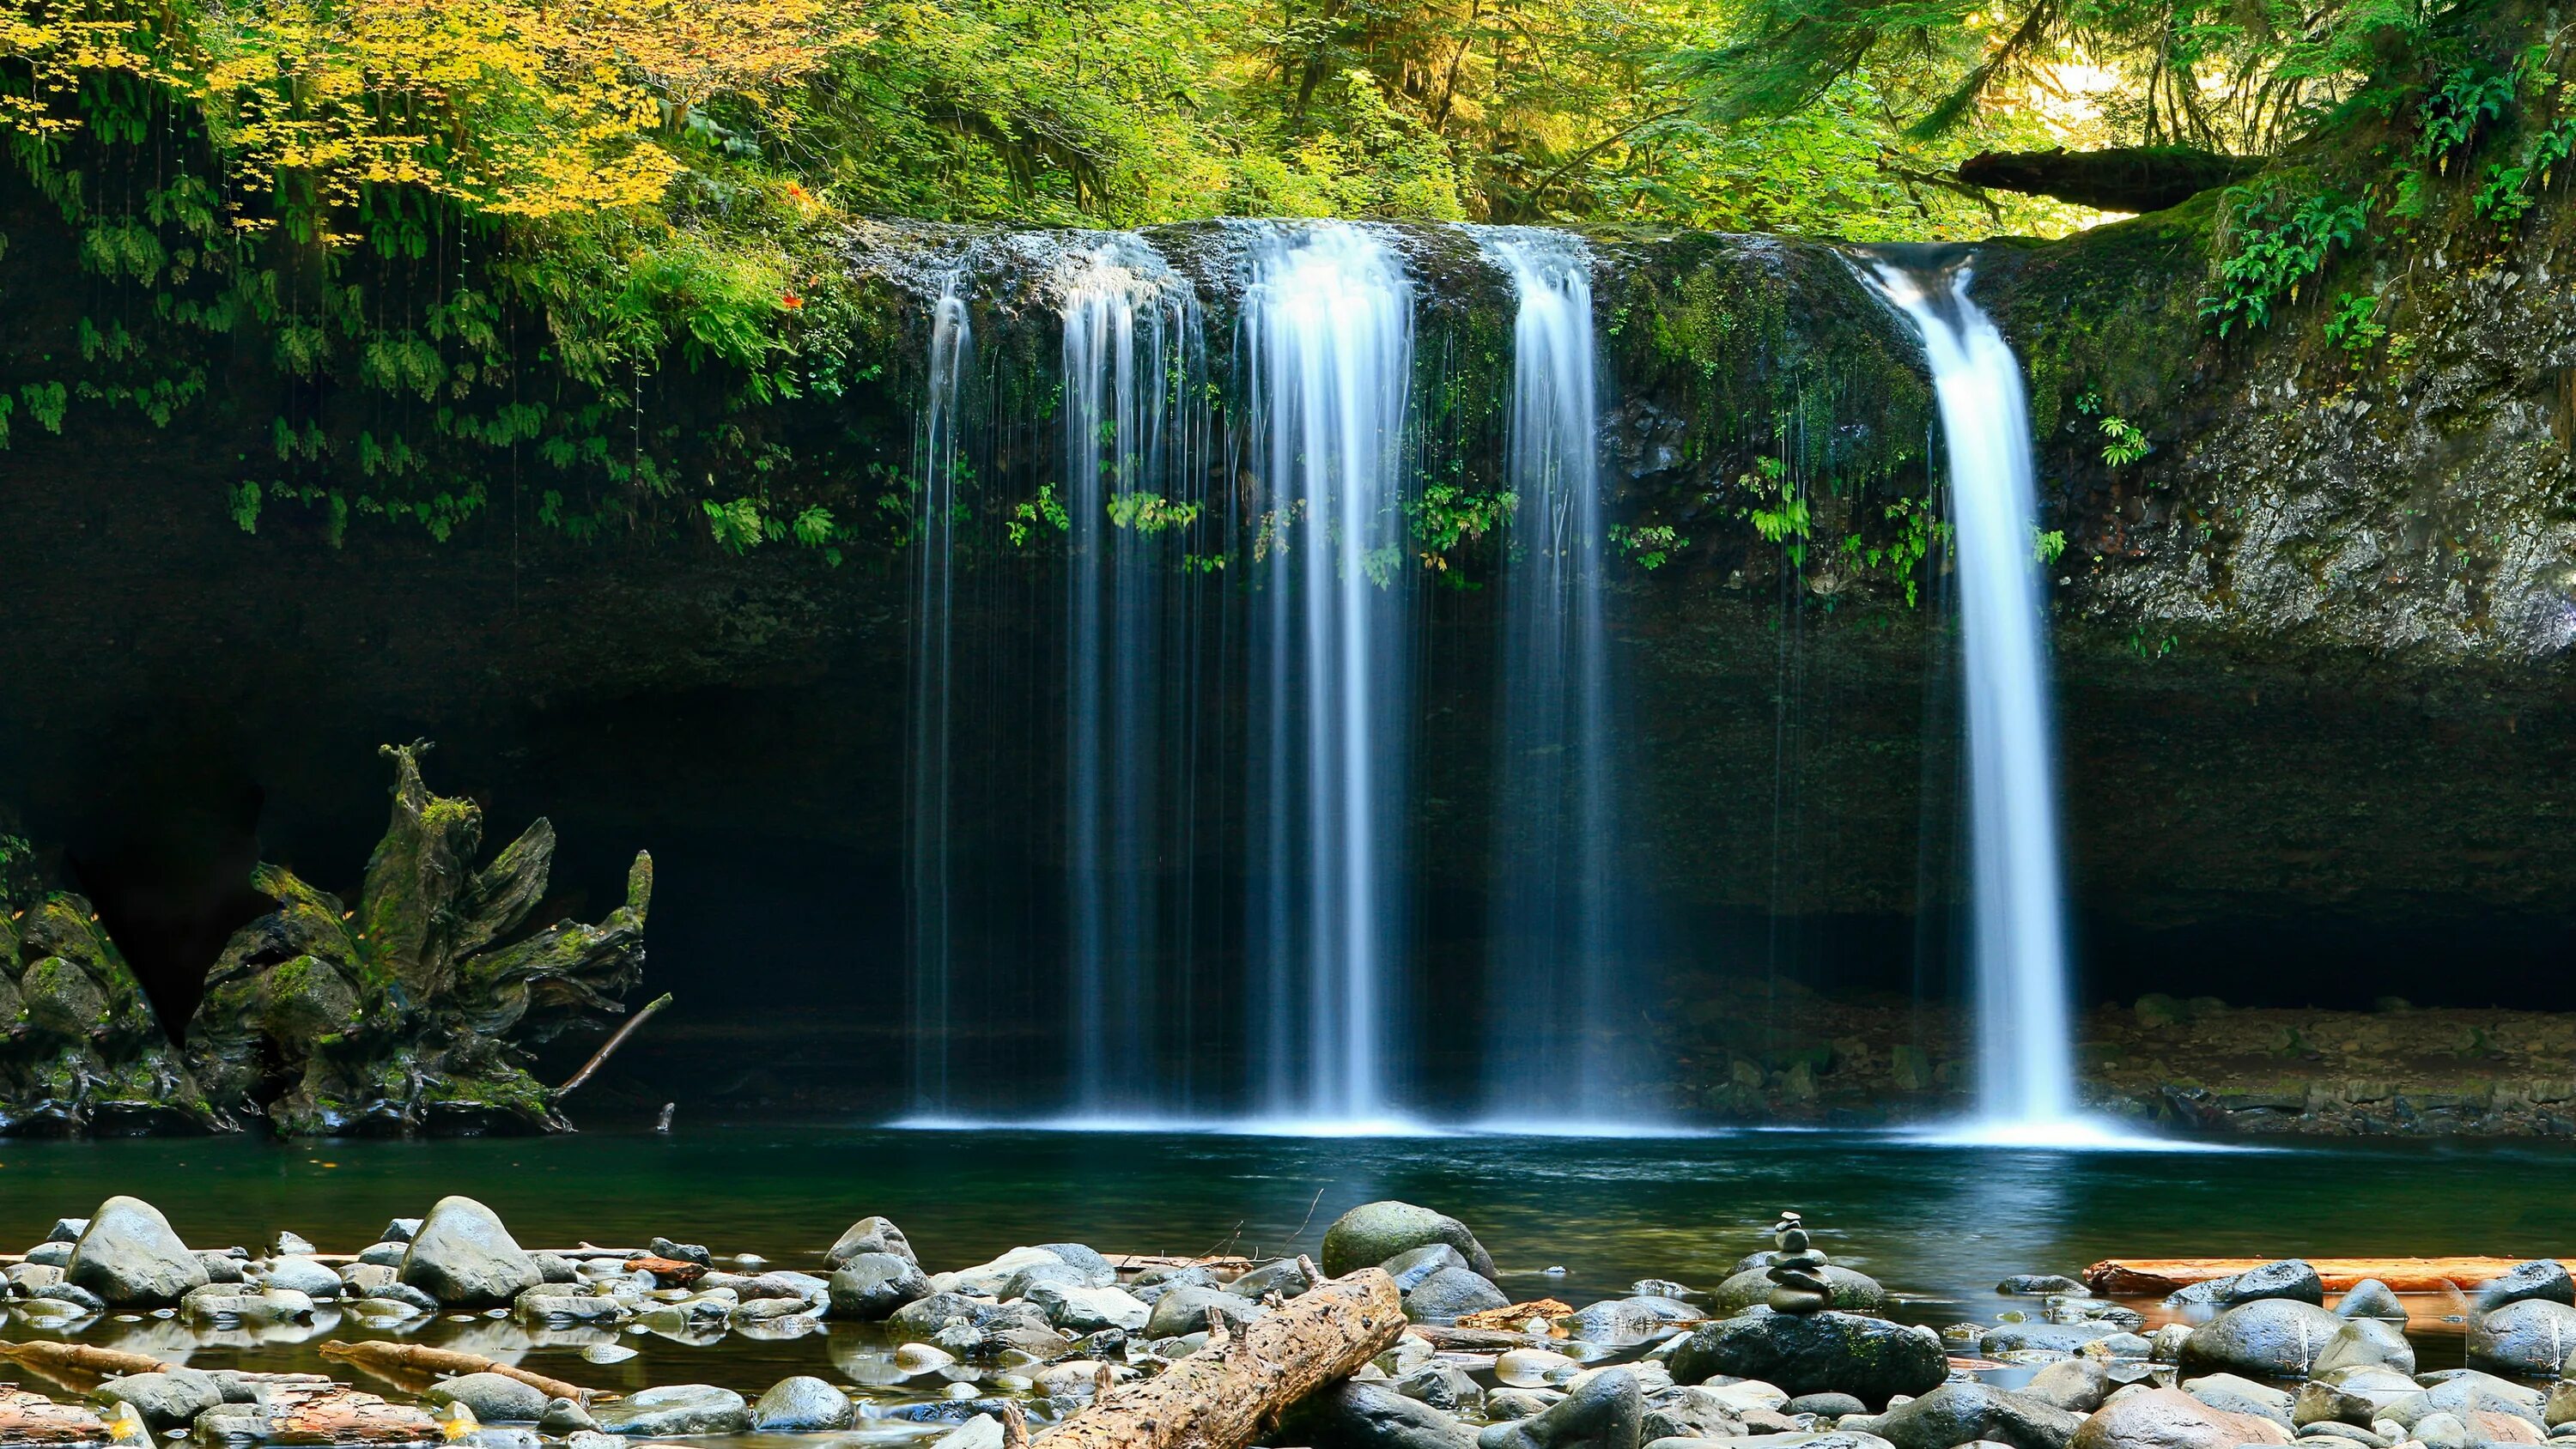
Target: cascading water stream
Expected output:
[1553,987]
[2024,1021]
[1327,336]
[1133,458]
[928,848]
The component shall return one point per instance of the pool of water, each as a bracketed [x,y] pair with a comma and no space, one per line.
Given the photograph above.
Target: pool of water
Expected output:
[1575,1219]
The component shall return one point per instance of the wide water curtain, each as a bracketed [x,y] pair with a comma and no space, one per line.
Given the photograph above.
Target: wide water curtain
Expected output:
[1134,444]
[2026,1076]
[940,463]
[1328,336]
[1555,971]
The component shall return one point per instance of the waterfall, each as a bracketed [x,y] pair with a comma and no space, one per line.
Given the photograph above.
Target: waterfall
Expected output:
[2025,1059]
[1554,970]
[1327,343]
[1132,421]
[938,462]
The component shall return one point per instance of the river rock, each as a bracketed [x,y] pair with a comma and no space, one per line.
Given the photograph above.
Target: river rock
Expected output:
[564,1418]
[1374,1232]
[2371,1298]
[1854,1292]
[2040,1285]
[463,1257]
[2540,1278]
[2350,1396]
[871,1286]
[1443,1386]
[2038,1337]
[1185,1311]
[1452,1294]
[1622,1322]
[1358,1415]
[313,1280]
[2527,1338]
[673,1411]
[71,1293]
[168,1400]
[2145,1418]
[495,1398]
[1415,1264]
[1089,1310]
[1605,1412]
[2274,1338]
[2366,1343]
[2462,1392]
[1869,1358]
[1956,1414]
[50,1255]
[2291,1278]
[981,1432]
[802,1405]
[869,1235]
[2077,1385]
[221,1305]
[989,1279]
[131,1258]
[2233,1394]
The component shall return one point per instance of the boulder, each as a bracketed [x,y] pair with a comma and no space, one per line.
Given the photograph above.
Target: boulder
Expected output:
[313,1280]
[1443,1386]
[1374,1232]
[494,1398]
[1956,1414]
[2270,1338]
[463,1257]
[1360,1415]
[870,1287]
[165,1401]
[2527,1338]
[2366,1343]
[1282,1276]
[1826,1406]
[130,1257]
[2541,1278]
[2077,1385]
[1185,1311]
[2231,1394]
[869,1235]
[1604,1412]
[1854,1292]
[1623,1322]
[2290,1278]
[2145,1418]
[2352,1396]
[673,1411]
[1415,1264]
[2371,1298]
[802,1405]
[2040,1285]
[1870,1359]
[1089,1310]
[1451,1294]
[990,1279]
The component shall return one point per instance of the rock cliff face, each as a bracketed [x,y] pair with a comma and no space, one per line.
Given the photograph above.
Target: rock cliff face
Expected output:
[2312,648]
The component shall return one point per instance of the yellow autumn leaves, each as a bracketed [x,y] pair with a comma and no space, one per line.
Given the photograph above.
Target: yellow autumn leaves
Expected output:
[524,108]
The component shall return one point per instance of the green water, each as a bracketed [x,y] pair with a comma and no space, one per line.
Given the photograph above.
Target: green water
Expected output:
[1940,1225]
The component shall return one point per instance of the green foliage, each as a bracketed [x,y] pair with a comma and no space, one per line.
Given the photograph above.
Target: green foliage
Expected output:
[1150,513]
[2453,109]
[2278,240]
[1446,516]
[2124,443]
[1649,545]
[2046,548]
[1045,508]
[1900,558]
[2353,326]
[1781,514]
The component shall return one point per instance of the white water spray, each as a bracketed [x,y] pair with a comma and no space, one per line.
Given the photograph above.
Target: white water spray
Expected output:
[937,465]
[2025,1057]
[1328,341]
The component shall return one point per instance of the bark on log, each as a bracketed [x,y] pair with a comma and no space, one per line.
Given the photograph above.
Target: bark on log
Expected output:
[2118,178]
[2154,1277]
[420,1362]
[29,1418]
[669,1272]
[53,1359]
[1222,1401]
[346,1416]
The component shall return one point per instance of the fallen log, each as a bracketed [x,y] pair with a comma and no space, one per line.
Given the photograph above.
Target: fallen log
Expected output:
[1224,1400]
[1476,1340]
[669,1272]
[1214,1263]
[348,1417]
[55,1359]
[405,1364]
[1513,1315]
[2155,1277]
[2118,178]
[28,1418]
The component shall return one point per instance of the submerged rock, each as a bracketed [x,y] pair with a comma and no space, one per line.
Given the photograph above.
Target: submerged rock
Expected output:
[463,1257]
[1868,1358]
[1374,1232]
[131,1258]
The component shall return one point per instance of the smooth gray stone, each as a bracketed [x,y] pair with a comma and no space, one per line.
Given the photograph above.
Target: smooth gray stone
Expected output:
[1374,1232]
[676,1411]
[1869,1358]
[1605,1412]
[873,1286]
[165,1401]
[131,1258]
[495,1398]
[869,1235]
[1964,1413]
[1452,1294]
[2371,1298]
[2527,1338]
[1358,1415]
[802,1405]
[2270,1338]
[463,1257]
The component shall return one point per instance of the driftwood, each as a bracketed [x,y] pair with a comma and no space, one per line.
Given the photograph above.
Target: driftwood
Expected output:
[613,1043]
[27,1418]
[1214,1262]
[340,1415]
[2117,178]
[1513,1315]
[2154,1277]
[55,1359]
[420,1363]
[1214,1400]
[669,1272]
[1474,1340]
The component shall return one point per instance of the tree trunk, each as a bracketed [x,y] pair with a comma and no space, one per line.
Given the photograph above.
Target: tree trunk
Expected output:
[1214,1400]
[2119,178]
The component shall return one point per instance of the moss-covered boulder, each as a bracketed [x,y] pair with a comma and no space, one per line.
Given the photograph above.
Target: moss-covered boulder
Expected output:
[1373,1232]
